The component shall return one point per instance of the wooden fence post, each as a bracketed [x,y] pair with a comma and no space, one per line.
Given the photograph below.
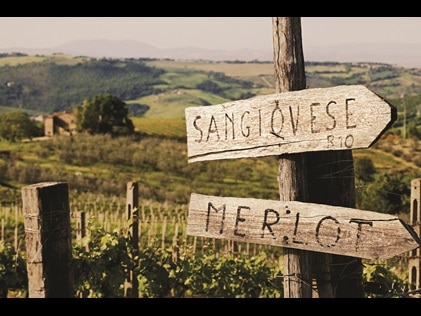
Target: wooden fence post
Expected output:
[132,211]
[46,213]
[414,262]
[80,225]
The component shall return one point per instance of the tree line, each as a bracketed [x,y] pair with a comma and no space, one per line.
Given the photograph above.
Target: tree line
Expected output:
[49,87]
[103,114]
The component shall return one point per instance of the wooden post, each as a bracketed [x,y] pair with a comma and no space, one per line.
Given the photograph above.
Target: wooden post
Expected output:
[132,209]
[48,240]
[331,182]
[302,177]
[80,225]
[414,262]
[290,76]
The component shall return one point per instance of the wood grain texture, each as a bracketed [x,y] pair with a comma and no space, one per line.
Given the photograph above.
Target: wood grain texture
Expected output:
[337,118]
[289,67]
[299,225]
[48,238]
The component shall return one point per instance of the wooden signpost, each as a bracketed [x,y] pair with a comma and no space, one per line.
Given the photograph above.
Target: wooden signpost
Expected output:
[299,225]
[306,129]
[338,118]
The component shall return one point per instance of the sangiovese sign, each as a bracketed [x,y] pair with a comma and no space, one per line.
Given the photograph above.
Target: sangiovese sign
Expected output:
[338,118]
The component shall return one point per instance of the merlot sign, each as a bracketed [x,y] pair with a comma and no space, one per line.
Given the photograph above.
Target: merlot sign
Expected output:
[299,225]
[338,118]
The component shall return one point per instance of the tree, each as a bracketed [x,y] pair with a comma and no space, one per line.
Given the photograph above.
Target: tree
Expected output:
[103,114]
[388,194]
[364,169]
[17,125]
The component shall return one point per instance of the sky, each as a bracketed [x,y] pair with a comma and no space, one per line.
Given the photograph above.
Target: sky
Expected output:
[204,32]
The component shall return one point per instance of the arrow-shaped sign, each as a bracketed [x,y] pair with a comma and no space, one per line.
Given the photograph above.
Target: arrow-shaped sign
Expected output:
[306,226]
[338,118]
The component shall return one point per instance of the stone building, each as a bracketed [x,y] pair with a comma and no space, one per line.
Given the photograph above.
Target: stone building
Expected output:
[59,124]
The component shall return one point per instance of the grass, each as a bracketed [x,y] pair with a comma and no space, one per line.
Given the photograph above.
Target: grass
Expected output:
[58,58]
[229,69]
[172,103]
[172,128]
[381,160]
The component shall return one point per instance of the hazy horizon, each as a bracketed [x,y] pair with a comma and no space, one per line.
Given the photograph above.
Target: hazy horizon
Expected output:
[203,32]
[322,37]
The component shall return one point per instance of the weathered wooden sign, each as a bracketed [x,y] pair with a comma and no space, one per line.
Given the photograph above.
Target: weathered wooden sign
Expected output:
[338,118]
[306,226]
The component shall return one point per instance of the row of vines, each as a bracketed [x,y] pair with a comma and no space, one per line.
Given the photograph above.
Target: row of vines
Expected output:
[169,264]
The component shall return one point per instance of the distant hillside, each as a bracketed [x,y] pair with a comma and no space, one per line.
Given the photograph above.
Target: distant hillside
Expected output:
[100,48]
[163,88]
[404,55]
[47,86]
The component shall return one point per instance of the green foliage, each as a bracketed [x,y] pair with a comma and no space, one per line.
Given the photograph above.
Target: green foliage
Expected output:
[383,73]
[101,271]
[382,280]
[161,127]
[17,125]
[388,194]
[13,275]
[53,84]
[158,164]
[100,262]
[209,86]
[104,114]
[364,169]
[207,275]
[52,87]
[233,276]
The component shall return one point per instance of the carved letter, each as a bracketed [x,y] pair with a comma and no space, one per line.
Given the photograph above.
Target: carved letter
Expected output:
[268,225]
[247,127]
[333,118]
[198,128]
[360,222]
[210,206]
[318,230]
[212,130]
[239,219]
[294,125]
[231,119]
[349,114]
[272,123]
[313,118]
[297,220]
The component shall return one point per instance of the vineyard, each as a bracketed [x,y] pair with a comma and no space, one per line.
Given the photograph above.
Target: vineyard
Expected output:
[160,127]
[170,263]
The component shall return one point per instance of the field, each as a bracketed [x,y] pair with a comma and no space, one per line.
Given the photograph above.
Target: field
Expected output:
[161,127]
[230,69]
[98,167]
[380,78]
[61,59]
